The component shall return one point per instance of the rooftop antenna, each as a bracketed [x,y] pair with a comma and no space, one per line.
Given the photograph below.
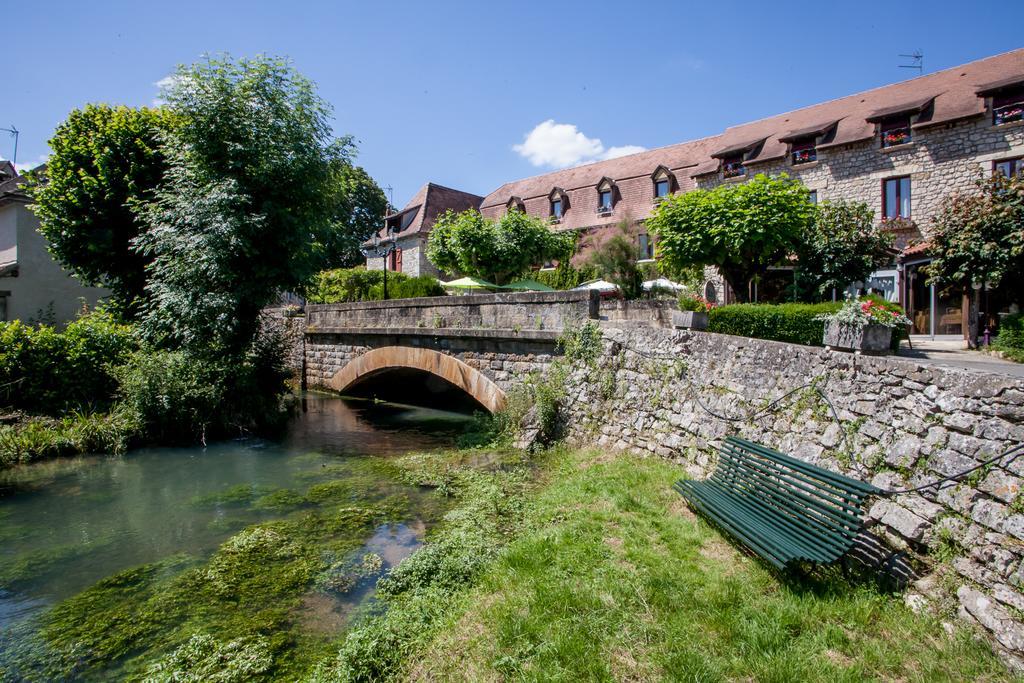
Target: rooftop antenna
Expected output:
[391,197]
[916,61]
[14,134]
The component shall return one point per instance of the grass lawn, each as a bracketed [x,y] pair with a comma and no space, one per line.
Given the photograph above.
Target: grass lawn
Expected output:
[610,577]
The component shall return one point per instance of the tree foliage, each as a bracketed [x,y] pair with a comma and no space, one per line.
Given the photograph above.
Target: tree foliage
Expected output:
[361,205]
[742,229]
[103,159]
[250,190]
[498,251]
[841,246]
[979,236]
[615,260]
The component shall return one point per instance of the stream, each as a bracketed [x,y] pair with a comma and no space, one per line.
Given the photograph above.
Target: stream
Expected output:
[66,525]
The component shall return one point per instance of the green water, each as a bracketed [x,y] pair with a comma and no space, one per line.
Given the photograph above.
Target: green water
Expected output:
[304,526]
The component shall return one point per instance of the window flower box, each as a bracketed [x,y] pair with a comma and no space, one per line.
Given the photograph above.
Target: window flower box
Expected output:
[862,327]
[690,320]
[868,339]
[804,156]
[896,136]
[733,169]
[1008,114]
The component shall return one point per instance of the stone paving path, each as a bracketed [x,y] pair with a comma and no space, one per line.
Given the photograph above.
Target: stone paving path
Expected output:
[950,353]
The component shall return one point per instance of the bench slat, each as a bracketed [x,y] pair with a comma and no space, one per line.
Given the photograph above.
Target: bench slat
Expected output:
[751,470]
[782,543]
[790,461]
[821,488]
[805,535]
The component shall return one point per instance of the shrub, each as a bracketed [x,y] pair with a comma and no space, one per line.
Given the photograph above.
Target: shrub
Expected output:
[359,284]
[694,302]
[616,261]
[794,323]
[179,397]
[42,437]
[408,288]
[1010,339]
[566,276]
[899,332]
[49,372]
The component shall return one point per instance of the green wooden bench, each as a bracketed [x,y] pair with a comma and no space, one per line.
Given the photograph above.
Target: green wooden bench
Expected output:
[781,508]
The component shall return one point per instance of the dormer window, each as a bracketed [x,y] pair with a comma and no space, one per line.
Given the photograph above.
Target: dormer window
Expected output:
[1008,107]
[664,182]
[605,196]
[732,167]
[556,210]
[895,131]
[804,152]
[733,156]
[515,204]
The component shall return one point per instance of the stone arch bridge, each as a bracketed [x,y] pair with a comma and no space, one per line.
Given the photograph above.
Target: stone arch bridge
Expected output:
[481,345]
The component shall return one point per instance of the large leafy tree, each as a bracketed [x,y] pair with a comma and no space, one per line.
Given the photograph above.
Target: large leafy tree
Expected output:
[103,159]
[741,229]
[498,251]
[841,246]
[249,193]
[978,238]
[361,206]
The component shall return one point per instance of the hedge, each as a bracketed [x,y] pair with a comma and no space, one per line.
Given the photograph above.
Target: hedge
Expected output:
[1010,339]
[794,323]
[358,284]
[565,276]
[43,370]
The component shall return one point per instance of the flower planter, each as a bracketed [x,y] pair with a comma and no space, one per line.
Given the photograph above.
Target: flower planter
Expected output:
[870,339]
[690,320]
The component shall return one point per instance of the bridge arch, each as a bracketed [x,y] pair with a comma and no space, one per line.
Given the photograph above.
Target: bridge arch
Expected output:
[451,369]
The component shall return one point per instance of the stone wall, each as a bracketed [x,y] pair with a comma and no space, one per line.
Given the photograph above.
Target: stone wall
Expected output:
[519,312]
[906,424]
[505,357]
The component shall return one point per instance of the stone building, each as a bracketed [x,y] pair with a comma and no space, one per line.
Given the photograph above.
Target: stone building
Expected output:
[900,148]
[32,285]
[407,229]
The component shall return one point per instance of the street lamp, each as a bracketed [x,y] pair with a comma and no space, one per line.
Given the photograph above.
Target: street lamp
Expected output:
[382,249]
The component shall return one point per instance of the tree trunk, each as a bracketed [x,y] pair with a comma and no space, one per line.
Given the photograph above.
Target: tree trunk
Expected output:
[972,318]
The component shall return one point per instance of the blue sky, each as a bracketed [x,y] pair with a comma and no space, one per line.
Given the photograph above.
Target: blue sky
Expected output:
[448,92]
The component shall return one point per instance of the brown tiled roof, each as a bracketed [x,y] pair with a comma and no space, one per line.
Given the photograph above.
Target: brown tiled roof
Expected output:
[809,131]
[907,108]
[431,201]
[915,249]
[986,89]
[940,97]
[738,147]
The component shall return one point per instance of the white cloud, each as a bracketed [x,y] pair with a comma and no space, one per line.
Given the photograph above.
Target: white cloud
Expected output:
[25,166]
[562,144]
[613,152]
[164,82]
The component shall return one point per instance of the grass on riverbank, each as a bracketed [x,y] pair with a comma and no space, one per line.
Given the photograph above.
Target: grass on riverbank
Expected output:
[40,437]
[602,573]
